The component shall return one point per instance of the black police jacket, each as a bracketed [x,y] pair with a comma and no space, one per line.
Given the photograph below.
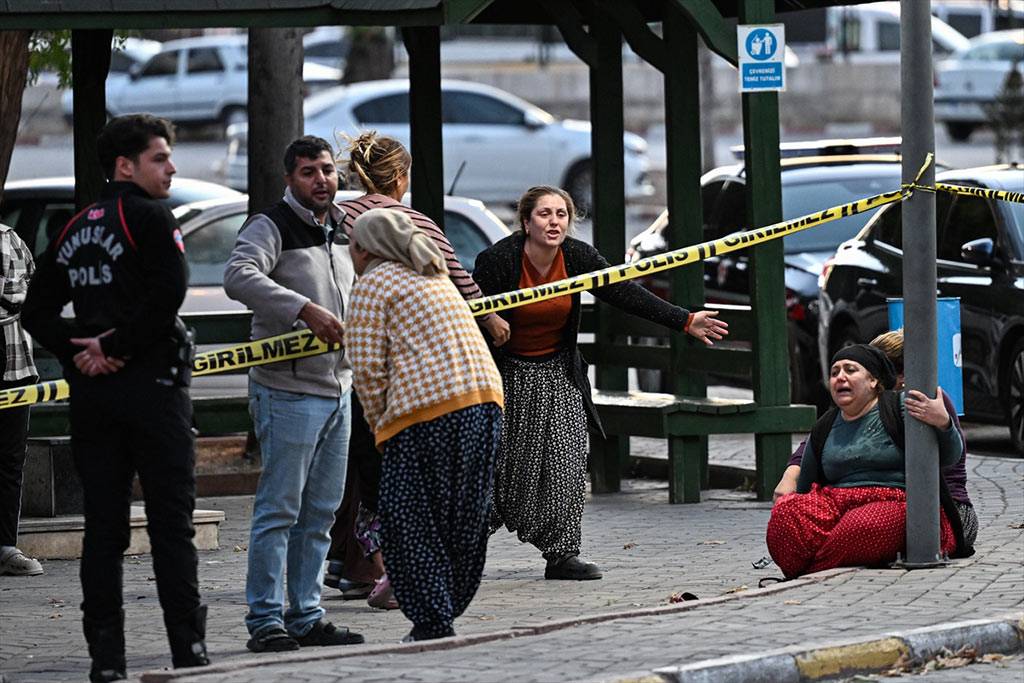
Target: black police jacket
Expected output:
[121,261]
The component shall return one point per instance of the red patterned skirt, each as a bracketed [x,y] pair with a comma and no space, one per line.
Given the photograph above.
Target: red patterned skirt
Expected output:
[842,527]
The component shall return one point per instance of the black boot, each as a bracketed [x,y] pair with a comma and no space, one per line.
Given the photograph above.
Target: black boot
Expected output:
[106,647]
[187,636]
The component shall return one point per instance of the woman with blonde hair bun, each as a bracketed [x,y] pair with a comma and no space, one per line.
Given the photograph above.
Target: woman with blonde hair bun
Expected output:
[380,165]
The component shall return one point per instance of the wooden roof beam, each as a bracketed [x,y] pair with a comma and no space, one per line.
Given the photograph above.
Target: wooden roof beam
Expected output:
[717,34]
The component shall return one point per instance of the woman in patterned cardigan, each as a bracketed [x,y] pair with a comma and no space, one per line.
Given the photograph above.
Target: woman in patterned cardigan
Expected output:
[432,396]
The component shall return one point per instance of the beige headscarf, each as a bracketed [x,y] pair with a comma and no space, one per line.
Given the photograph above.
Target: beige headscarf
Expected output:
[391,235]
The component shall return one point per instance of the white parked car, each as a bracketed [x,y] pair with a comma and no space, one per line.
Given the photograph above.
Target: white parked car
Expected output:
[870,34]
[199,80]
[496,143]
[210,228]
[972,78]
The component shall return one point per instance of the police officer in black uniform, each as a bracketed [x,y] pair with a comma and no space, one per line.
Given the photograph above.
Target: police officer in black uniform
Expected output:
[127,358]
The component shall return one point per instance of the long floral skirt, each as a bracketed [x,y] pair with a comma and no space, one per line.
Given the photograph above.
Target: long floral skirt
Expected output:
[541,473]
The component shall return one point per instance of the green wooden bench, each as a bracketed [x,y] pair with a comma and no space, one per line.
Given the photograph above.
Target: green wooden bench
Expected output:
[685,421]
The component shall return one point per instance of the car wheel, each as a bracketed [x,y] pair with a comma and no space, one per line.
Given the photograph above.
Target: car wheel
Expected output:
[579,183]
[959,131]
[233,115]
[1015,397]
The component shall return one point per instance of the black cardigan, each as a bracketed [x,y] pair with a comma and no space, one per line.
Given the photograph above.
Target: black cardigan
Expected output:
[499,267]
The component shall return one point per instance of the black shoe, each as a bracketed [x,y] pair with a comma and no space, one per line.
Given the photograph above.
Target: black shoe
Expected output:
[273,639]
[326,633]
[333,575]
[106,648]
[187,637]
[416,635]
[571,568]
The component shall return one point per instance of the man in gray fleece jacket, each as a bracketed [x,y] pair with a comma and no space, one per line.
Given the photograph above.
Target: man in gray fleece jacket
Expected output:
[291,266]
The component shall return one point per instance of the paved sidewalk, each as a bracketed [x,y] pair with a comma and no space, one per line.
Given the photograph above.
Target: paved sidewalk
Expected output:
[648,550]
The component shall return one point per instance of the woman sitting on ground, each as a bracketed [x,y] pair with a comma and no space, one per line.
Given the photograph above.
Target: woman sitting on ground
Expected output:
[954,476]
[849,508]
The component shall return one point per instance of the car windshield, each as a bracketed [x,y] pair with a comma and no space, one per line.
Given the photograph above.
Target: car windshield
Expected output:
[799,199]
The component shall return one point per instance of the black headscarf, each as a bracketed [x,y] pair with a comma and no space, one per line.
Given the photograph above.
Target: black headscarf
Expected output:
[873,360]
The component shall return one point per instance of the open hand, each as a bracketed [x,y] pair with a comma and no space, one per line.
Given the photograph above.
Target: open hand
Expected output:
[706,327]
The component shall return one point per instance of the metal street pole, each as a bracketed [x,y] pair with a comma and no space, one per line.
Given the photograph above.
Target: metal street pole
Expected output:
[919,343]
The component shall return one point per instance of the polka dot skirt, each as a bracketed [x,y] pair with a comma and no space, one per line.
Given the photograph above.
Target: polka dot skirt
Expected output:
[434,498]
[540,480]
[841,527]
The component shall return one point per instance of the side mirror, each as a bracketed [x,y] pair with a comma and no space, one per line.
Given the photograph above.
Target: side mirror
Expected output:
[532,122]
[980,252]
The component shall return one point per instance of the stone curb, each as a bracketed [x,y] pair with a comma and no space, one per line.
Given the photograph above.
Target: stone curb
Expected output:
[826,661]
[525,630]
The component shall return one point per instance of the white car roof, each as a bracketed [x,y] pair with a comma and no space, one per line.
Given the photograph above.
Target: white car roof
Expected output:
[218,40]
[357,92]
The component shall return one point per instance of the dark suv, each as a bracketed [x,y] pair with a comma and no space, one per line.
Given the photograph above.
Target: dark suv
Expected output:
[980,258]
[809,183]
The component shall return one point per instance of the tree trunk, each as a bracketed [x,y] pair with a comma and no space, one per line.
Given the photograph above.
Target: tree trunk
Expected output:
[90,63]
[371,57]
[275,109]
[13,72]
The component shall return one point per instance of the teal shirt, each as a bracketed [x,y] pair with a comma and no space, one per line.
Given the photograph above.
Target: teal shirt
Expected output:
[860,453]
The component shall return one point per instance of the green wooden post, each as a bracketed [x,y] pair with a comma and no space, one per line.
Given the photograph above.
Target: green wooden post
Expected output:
[609,204]
[767,296]
[682,152]
[424,47]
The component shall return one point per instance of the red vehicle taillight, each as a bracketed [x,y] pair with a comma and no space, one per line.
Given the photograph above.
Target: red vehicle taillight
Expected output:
[794,309]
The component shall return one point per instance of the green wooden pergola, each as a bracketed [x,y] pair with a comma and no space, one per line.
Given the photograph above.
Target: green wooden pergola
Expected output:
[594,30]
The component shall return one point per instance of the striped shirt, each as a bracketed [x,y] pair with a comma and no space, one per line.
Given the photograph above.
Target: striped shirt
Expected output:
[462,280]
[16,268]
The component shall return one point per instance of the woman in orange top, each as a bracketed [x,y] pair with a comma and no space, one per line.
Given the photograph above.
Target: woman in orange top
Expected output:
[540,477]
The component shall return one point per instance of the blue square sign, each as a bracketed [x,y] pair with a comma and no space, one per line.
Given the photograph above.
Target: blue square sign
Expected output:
[761,50]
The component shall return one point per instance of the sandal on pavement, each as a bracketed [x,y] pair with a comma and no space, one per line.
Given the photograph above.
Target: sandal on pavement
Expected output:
[383,595]
[274,639]
[571,568]
[325,633]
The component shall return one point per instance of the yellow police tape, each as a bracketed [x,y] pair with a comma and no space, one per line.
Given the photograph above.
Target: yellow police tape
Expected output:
[302,343]
[287,346]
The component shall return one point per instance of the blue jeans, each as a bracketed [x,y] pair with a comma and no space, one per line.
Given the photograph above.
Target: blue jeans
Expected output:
[304,446]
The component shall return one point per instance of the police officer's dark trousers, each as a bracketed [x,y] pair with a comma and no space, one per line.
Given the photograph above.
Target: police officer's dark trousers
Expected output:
[122,424]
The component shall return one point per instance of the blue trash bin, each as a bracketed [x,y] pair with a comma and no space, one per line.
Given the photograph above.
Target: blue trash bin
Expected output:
[950,360]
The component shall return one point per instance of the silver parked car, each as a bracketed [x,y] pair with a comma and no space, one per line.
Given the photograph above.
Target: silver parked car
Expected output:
[971,79]
[199,80]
